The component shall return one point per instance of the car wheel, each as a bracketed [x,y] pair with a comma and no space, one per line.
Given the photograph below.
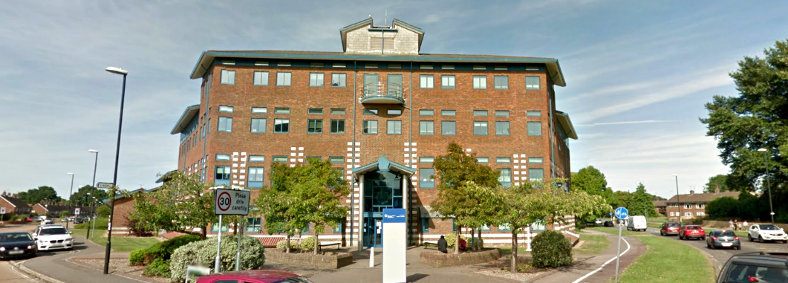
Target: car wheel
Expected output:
[760,239]
[749,237]
[703,238]
[709,246]
[737,248]
[661,233]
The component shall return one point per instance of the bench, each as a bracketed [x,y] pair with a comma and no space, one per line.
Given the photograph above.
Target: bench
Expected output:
[326,244]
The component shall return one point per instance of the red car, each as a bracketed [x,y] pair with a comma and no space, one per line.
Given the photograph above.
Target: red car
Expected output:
[669,228]
[691,232]
[254,276]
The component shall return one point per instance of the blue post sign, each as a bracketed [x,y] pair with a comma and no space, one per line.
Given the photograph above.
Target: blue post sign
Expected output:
[622,213]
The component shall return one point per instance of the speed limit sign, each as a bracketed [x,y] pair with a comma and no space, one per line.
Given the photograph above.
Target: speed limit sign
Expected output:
[231,202]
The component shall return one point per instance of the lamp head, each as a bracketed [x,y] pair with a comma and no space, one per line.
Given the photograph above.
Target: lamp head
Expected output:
[92,150]
[116,70]
[69,173]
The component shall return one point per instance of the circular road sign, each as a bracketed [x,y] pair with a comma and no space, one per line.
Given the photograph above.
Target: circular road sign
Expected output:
[621,213]
[223,201]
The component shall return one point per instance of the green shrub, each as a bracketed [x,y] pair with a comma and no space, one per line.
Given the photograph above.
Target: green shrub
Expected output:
[551,249]
[478,243]
[308,244]
[137,257]
[282,245]
[451,238]
[204,253]
[158,267]
[103,211]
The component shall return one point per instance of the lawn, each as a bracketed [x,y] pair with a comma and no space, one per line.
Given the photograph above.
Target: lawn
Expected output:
[668,260]
[614,230]
[124,244]
[592,244]
[656,222]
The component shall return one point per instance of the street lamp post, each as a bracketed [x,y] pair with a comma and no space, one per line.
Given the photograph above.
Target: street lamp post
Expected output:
[768,186]
[123,72]
[678,199]
[95,163]
[70,190]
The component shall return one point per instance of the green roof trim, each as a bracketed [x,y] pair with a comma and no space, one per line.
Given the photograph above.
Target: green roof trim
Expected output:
[358,24]
[404,24]
[565,123]
[187,116]
[384,164]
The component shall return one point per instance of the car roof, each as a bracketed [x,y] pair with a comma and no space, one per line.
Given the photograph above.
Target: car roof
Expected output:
[761,259]
[273,275]
[48,226]
[17,232]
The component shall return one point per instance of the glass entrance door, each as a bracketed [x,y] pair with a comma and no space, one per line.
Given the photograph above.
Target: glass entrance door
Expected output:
[381,190]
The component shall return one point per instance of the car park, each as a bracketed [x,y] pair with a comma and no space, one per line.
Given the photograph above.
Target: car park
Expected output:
[766,232]
[691,232]
[51,237]
[17,244]
[669,228]
[755,267]
[723,239]
[254,276]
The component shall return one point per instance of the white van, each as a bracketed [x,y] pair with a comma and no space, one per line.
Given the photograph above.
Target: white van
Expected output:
[637,223]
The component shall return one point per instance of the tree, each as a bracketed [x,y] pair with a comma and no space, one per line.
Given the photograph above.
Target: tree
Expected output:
[640,203]
[84,196]
[593,182]
[453,170]
[44,194]
[754,119]
[717,182]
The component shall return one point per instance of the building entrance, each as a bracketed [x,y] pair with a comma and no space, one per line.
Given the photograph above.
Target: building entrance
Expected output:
[382,189]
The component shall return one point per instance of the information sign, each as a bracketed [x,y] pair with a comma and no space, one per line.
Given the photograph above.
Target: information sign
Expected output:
[231,202]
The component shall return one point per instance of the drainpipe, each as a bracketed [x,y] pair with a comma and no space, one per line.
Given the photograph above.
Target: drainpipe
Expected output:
[410,147]
[353,162]
[551,136]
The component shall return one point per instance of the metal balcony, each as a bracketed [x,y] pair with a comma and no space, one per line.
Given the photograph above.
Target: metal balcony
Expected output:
[376,93]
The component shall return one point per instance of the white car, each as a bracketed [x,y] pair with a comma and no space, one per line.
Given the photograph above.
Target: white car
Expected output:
[767,232]
[51,237]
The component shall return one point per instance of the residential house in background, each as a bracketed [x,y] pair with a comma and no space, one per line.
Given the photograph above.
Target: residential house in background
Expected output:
[693,205]
[13,205]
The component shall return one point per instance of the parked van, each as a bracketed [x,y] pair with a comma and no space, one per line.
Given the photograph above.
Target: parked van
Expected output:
[637,223]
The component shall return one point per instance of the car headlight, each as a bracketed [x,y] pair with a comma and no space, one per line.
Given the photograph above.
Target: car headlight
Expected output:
[29,247]
[2,249]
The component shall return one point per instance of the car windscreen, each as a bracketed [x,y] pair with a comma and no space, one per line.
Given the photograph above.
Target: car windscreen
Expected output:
[15,237]
[740,272]
[672,225]
[53,231]
[769,227]
[692,227]
[727,233]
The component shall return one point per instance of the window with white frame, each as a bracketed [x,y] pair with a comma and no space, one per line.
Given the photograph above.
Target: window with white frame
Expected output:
[316,79]
[531,82]
[479,82]
[426,128]
[258,125]
[228,77]
[501,82]
[447,81]
[338,80]
[370,127]
[225,124]
[260,78]
[283,78]
[426,81]
[255,178]
[506,177]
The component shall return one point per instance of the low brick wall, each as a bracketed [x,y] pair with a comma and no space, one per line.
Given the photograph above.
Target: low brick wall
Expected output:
[309,260]
[439,259]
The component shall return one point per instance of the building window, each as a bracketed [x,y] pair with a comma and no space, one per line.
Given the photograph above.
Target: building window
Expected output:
[225,108]
[368,111]
[506,177]
[316,79]
[426,128]
[425,178]
[479,128]
[425,225]
[687,213]
[501,128]
[338,228]
[254,224]
[338,80]
[279,158]
[283,78]
[534,128]
[314,126]
[225,124]
[228,77]
[426,81]
[687,206]
[533,113]
[503,160]
[337,111]
[451,113]
[394,127]
[282,110]
[480,113]
[336,159]
[222,157]
[504,227]
[535,173]
[261,78]
[222,176]
[370,127]
[394,85]
[479,82]
[535,160]
[371,86]
[426,112]
[281,126]
[447,82]
[448,128]
[531,82]
[426,159]
[315,111]
[259,110]
[258,125]
[501,82]
[255,177]
[501,113]
[337,126]
[256,158]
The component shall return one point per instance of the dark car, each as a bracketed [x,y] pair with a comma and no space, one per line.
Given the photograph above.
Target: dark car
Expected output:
[669,228]
[608,223]
[723,239]
[254,276]
[17,244]
[755,267]
[691,232]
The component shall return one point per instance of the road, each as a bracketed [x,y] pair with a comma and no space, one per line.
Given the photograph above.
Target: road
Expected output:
[720,256]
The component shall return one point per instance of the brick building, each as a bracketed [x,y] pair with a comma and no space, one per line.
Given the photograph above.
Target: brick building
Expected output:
[380,111]
[693,205]
[13,205]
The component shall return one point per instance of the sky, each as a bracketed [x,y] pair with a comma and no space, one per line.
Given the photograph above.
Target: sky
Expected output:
[638,74]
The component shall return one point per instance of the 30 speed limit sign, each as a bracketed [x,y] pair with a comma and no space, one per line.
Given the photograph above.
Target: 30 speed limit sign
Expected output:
[231,202]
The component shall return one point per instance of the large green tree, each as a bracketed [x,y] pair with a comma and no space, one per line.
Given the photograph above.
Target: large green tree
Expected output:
[755,118]
[44,194]
[593,182]
[85,195]
[640,203]
[715,182]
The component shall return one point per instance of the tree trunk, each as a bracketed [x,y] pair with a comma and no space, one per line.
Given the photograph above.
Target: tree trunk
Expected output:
[514,250]
[479,247]
[235,226]
[287,244]
[457,240]
[316,243]
[204,232]
[473,239]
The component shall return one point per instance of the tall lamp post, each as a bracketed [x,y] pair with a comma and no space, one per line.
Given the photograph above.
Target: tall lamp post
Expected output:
[70,190]
[95,163]
[678,199]
[119,71]
[768,186]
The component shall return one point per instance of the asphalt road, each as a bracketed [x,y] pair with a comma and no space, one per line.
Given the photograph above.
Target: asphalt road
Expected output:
[720,256]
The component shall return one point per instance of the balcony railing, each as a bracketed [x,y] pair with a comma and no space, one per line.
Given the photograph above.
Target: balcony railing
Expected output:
[379,93]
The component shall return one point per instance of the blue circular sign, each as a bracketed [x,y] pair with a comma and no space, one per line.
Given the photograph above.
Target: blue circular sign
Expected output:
[621,213]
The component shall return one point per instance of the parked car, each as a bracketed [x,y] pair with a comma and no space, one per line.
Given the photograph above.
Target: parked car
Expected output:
[767,232]
[755,267]
[608,223]
[17,244]
[723,239]
[637,223]
[691,232]
[254,276]
[47,221]
[669,228]
[54,236]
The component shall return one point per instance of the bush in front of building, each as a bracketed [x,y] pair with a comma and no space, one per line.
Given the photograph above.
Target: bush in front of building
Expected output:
[308,244]
[551,249]
[159,267]
[204,253]
[451,239]
[161,250]
[282,245]
[137,257]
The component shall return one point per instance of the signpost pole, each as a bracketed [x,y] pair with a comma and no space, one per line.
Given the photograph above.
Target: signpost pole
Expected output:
[218,247]
[238,246]
[618,251]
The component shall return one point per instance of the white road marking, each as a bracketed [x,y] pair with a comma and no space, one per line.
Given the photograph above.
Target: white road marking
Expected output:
[603,265]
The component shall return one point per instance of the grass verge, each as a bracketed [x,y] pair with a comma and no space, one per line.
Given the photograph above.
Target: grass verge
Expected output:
[614,231]
[655,222]
[668,260]
[592,244]
[123,244]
